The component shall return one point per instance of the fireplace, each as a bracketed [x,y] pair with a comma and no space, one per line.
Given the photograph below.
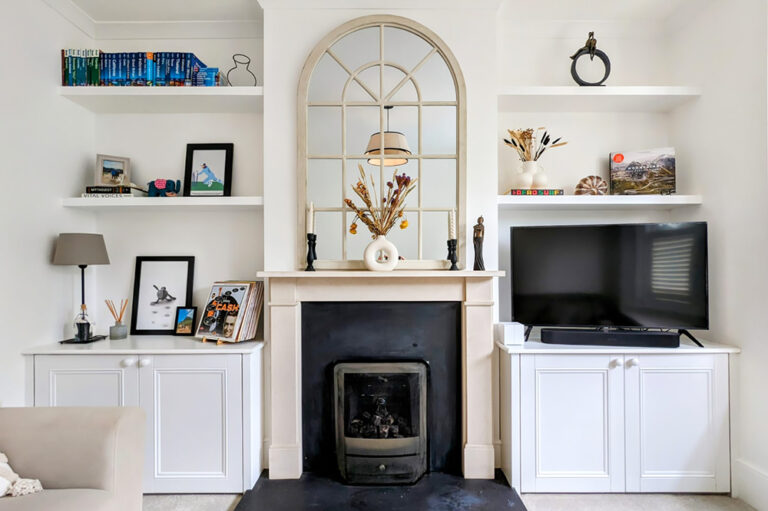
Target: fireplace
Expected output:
[381,422]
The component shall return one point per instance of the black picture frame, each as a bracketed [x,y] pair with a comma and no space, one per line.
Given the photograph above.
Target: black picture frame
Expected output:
[229,151]
[192,328]
[136,310]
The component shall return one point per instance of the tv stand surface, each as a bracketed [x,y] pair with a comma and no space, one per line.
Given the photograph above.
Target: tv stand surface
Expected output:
[689,335]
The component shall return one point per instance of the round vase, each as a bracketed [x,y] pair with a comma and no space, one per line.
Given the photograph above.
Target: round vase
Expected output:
[538,177]
[380,255]
[523,179]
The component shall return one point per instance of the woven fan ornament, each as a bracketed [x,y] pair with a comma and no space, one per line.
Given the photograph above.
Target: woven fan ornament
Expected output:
[592,185]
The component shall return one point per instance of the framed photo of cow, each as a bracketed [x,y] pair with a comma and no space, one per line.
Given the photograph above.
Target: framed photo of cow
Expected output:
[161,285]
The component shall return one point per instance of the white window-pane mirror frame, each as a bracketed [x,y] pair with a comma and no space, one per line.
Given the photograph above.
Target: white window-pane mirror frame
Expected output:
[357,92]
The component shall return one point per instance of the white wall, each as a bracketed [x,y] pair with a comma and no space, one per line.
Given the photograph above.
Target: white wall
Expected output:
[734,182]
[47,147]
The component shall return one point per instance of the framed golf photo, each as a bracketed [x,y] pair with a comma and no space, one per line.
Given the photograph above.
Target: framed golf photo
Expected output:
[186,320]
[208,171]
[161,285]
[112,170]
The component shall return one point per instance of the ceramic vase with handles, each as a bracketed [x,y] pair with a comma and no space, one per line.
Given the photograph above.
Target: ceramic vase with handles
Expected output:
[523,179]
[380,255]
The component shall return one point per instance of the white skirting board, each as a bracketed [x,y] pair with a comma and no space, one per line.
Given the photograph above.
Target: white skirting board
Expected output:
[750,483]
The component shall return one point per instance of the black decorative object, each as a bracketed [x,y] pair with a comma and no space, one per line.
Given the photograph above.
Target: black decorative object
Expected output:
[478,234]
[452,254]
[311,254]
[590,48]
[240,74]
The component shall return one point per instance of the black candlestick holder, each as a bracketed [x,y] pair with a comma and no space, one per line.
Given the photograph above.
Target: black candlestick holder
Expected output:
[452,254]
[311,254]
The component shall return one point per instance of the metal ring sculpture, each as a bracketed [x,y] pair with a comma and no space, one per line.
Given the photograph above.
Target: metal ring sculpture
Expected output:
[599,54]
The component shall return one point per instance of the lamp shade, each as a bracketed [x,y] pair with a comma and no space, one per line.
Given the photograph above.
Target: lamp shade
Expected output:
[396,150]
[75,249]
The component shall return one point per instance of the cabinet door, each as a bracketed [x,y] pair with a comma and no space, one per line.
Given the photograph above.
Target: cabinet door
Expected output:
[677,423]
[86,380]
[194,411]
[572,423]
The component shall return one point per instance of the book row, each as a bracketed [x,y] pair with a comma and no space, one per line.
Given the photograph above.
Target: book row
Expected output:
[84,67]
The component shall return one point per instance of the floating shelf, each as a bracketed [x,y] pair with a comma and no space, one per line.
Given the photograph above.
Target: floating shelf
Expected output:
[596,202]
[595,99]
[165,203]
[166,100]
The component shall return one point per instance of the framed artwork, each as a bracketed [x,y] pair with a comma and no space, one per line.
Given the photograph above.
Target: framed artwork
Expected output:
[186,320]
[112,170]
[160,285]
[208,170]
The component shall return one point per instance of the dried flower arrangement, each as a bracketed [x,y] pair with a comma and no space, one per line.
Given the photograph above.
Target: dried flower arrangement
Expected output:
[529,145]
[380,219]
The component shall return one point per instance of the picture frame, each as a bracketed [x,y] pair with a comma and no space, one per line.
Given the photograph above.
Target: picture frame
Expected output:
[186,321]
[160,285]
[112,170]
[208,170]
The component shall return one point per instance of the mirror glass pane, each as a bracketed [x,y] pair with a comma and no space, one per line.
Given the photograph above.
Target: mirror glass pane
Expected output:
[405,119]
[434,235]
[323,130]
[438,178]
[392,78]
[356,243]
[435,80]
[328,228]
[362,122]
[406,240]
[358,48]
[404,48]
[369,82]
[324,183]
[439,129]
[327,80]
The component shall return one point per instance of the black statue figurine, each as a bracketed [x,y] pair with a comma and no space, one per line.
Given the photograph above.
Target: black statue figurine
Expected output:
[478,233]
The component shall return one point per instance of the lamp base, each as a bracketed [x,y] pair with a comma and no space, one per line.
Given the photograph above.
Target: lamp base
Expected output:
[87,341]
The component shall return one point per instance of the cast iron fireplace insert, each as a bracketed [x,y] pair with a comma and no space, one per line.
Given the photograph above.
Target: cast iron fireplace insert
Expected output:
[381,421]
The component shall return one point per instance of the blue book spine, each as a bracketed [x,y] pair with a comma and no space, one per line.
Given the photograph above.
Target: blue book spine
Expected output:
[102,77]
[150,59]
[142,71]
[178,68]
[188,69]
[123,66]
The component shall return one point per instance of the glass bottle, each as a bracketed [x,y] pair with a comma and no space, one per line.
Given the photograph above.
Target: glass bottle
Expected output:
[82,325]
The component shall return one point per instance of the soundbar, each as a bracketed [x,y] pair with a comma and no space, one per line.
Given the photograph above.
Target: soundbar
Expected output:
[622,338]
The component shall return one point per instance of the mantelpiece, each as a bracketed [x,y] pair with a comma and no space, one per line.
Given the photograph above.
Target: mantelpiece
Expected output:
[474,290]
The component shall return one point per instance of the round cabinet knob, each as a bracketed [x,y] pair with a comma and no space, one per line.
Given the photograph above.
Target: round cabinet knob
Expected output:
[616,362]
[632,362]
[382,467]
[144,362]
[128,362]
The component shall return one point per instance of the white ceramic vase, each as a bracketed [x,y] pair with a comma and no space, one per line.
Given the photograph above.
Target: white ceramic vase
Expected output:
[380,255]
[538,179]
[523,179]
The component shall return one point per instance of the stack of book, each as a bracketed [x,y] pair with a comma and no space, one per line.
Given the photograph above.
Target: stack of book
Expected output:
[233,311]
[96,68]
[107,191]
[531,191]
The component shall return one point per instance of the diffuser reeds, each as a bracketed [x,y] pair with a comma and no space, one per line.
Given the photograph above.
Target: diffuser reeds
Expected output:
[113,310]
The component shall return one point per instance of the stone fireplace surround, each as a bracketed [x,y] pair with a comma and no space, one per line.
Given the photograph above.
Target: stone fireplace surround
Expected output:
[473,289]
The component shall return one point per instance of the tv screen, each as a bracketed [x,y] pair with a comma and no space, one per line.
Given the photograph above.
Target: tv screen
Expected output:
[624,275]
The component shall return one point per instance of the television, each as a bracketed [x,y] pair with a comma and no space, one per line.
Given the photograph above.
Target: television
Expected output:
[627,276]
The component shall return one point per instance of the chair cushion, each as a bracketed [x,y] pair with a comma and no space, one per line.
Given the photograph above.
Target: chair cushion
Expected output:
[61,500]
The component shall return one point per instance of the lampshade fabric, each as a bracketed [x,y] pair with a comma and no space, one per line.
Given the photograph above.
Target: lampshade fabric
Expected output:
[80,248]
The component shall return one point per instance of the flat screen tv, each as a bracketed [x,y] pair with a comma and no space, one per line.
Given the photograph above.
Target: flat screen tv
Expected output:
[623,276]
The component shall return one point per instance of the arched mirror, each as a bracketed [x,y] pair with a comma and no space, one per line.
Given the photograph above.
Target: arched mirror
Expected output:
[382,93]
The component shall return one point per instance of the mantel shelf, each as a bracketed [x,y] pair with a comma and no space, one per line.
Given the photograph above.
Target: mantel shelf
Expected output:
[168,100]
[651,98]
[396,274]
[596,202]
[165,203]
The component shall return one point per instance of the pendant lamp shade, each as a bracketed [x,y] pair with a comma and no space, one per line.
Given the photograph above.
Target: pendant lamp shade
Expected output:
[396,150]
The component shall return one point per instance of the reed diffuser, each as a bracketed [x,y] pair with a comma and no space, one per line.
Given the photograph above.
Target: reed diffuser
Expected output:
[118,330]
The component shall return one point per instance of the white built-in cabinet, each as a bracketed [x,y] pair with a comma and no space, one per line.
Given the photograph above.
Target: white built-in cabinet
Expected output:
[202,406]
[589,420]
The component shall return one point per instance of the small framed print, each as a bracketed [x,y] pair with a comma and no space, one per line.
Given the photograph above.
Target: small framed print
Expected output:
[112,170]
[208,171]
[161,284]
[186,320]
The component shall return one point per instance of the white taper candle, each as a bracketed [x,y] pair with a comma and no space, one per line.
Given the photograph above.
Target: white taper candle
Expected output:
[452,224]
[311,219]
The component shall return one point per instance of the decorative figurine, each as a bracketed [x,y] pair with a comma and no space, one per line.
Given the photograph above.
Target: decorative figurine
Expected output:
[240,75]
[311,254]
[478,233]
[590,48]
[164,188]
[592,185]
[452,255]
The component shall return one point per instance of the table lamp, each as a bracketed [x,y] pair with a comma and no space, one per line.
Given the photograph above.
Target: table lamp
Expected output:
[81,249]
